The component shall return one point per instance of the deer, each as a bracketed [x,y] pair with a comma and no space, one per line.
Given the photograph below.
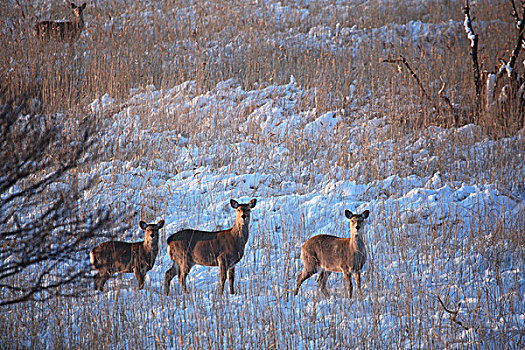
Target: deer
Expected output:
[224,249]
[113,257]
[68,31]
[326,254]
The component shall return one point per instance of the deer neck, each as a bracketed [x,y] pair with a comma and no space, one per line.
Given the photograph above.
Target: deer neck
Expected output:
[151,245]
[355,239]
[240,229]
[78,21]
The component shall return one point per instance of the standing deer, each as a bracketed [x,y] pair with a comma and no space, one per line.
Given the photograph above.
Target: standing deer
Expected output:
[222,248]
[123,257]
[68,31]
[326,254]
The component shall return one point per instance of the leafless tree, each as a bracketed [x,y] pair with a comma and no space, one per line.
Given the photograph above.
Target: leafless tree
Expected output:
[500,96]
[46,224]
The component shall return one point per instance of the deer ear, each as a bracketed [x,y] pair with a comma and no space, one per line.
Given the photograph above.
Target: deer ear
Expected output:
[160,224]
[83,6]
[234,203]
[143,225]
[73,6]
[365,214]
[348,214]
[252,203]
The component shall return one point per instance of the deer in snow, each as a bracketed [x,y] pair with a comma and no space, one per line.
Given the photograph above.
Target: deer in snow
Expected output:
[221,248]
[326,254]
[68,31]
[122,257]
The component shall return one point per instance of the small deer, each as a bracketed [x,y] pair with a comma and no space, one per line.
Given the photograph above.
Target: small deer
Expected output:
[68,31]
[222,248]
[123,257]
[326,254]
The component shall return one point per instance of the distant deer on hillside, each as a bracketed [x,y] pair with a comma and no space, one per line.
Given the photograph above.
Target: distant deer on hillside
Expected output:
[326,254]
[68,31]
[123,257]
[221,248]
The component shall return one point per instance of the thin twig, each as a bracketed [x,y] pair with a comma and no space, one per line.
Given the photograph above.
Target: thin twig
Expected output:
[514,11]
[443,96]
[453,314]
[21,9]
[403,60]
[424,92]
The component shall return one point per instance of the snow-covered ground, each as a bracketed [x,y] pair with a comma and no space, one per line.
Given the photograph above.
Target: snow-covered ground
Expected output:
[428,235]
[446,216]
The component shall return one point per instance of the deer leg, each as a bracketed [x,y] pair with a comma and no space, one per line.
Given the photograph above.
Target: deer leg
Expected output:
[323,277]
[348,279]
[222,273]
[357,277]
[231,278]
[174,270]
[96,281]
[100,279]
[184,271]
[139,275]
[303,276]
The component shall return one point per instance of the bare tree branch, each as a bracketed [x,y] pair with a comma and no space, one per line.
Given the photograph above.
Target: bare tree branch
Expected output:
[46,225]
[403,60]
[424,93]
[520,24]
[472,36]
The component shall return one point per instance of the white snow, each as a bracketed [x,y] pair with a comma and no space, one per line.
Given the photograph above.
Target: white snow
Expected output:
[189,184]
[441,212]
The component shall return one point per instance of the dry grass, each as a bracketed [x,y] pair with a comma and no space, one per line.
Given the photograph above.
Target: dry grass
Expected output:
[132,44]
